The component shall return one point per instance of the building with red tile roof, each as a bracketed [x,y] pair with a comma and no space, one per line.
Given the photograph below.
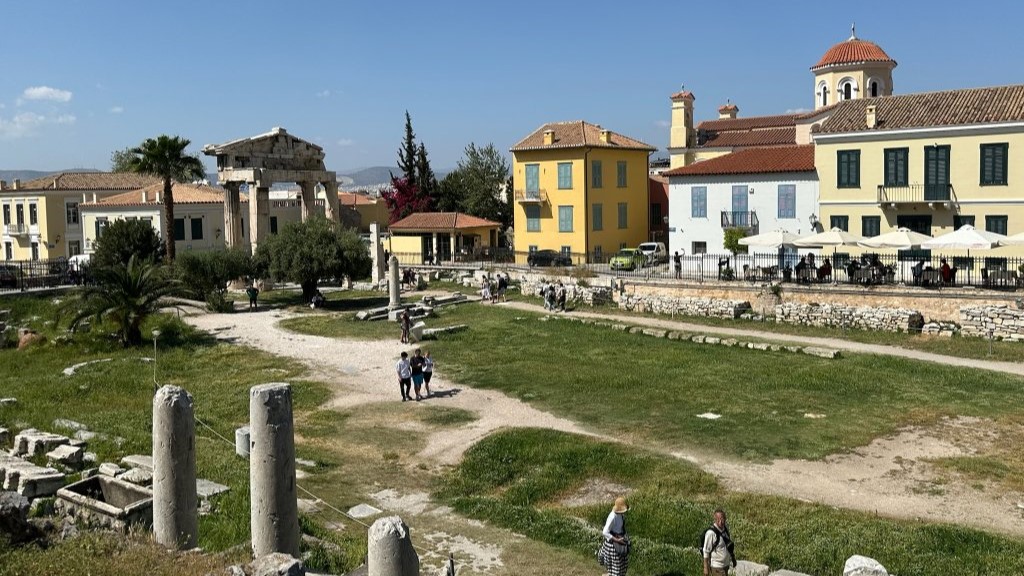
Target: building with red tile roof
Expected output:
[423,237]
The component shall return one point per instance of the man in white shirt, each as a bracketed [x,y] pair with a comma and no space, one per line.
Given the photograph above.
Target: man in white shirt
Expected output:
[718,547]
[404,369]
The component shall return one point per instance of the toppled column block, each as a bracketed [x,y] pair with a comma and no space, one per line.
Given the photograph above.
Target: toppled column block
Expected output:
[389,549]
[31,442]
[66,455]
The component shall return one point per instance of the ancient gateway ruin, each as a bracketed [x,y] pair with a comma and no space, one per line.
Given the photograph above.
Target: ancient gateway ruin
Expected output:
[259,162]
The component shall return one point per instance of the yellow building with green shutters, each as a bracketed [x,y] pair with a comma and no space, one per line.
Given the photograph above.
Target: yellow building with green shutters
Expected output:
[581,190]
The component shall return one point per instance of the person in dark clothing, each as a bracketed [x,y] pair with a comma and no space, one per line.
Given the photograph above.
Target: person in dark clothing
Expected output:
[416,363]
[253,293]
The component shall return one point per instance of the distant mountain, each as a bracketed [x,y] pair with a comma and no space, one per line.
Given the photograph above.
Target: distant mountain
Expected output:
[26,175]
[375,176]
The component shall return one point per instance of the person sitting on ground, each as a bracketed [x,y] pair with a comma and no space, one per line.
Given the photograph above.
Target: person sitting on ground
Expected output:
[318,300]
[947,272]
[825,272]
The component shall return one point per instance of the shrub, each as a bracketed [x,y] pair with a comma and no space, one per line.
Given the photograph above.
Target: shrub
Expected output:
[732,239]
[122,239]
[206,275]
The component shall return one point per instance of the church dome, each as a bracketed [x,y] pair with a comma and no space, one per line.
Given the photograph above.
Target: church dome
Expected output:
[852,51]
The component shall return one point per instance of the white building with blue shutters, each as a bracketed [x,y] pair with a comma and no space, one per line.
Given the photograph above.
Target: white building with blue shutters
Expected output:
[755,189]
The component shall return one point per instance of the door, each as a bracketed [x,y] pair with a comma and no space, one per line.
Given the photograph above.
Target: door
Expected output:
[740,213]
[936,173]
[74,247]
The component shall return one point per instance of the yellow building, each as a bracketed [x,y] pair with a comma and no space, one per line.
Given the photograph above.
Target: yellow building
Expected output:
[580,190]
[41,219]
[434,237]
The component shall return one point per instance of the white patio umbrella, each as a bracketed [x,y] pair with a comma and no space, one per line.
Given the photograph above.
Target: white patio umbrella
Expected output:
[966,238]
[1016,239]
[770,239]
[833,237]
[899,239]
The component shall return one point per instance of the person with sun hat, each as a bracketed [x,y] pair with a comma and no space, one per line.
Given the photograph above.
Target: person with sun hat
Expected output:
[615,550]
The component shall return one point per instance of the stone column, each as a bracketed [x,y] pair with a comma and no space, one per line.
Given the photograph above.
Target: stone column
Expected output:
[377,253]
[308,199]
[259,214]
[389,549]
[454,248]
[332,208]
[232,215]
[437,257]
[274,512]
[394,288]
[175,503]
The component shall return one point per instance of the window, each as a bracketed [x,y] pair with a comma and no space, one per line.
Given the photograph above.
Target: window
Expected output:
[699,248]
[9,250]
[598,254]
[33,215]
[997,224]
[787,200]
[20,213]
[101,224]
[874,89]
[564,175]
[896,166]
[598,216]
[179,228]
[532,249]
[848,91]
[656,221]
[566,250]
[596,178]
[961,220]
[72,212]
[273,224]
[993,164]
[936,173]
[533,218]
[74,248]
[35,251]
[841,222]
[565,218]
[922,224]
[197,228]
[620,173]
[7,214]
[699,202]
[849,169]
[623,215]
[870,226]
[533,177]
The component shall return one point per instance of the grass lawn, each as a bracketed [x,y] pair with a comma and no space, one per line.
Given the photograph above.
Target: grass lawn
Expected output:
[519,479]
[651,389]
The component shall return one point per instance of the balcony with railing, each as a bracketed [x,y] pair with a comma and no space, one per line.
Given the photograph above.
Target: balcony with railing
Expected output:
[531,196]
[746,219]
[16,229]
[933,194]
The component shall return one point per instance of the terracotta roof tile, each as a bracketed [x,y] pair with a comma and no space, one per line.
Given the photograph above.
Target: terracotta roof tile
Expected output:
[353,199]
[683,95]
[753,161]
[853,51]
[577,134]
[183,194]
[749,123]
[441,221]
[751,138]
[929,109]
[89,181]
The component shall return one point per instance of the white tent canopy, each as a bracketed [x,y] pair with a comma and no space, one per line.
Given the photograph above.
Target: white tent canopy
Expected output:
[966,238]
[770,239]
[1016,239]
[899,239]
[833,237]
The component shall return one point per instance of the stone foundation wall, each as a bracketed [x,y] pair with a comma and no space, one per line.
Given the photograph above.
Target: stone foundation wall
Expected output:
[575,292]
[860,317]
[687,306]
[998,321]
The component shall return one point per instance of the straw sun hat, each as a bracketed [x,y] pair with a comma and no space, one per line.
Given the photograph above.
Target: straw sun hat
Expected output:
[620,507]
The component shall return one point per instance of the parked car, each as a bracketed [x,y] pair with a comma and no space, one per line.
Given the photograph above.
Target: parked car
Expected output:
[548,258]
[654,252]
[627,259]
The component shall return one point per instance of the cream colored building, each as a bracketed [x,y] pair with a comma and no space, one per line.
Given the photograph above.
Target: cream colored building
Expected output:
[41,217]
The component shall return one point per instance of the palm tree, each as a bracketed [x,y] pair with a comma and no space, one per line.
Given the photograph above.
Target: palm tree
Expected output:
[126,294]
[165,158]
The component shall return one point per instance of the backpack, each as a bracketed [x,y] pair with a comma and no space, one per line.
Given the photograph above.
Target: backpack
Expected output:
[729,545]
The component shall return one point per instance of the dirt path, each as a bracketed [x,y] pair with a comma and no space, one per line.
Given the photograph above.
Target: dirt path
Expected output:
[887,476]
[837,343]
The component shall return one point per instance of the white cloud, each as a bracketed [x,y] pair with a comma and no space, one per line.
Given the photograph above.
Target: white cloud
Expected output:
[323,94]
[797,110]
[26,123]
[663,124]
[346,142]
[46,93]
[116,110]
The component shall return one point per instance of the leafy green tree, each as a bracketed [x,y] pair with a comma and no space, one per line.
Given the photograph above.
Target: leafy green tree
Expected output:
[206,275]
[165,158]
[122,239]
[476,185]
[125,294]
[312,251]
[120,160]
[407,152]
[732,238]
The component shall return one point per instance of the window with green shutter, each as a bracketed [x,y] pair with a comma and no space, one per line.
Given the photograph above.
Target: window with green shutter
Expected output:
[596,178]
[870,226]
[623,215]
[994,164]
[849,169]
[565,218]
[896,166]
[620,173]
[598,218]
[997,224]
[532,218]
[564,175]
[841,222]
[533,177]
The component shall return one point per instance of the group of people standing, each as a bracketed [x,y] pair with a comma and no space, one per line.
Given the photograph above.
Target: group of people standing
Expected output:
[554,295]
[715,546]
[491,291]
[413,374]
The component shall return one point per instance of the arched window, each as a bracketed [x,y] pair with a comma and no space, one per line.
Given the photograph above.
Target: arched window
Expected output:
[823,94]
[847,91]
[874,89]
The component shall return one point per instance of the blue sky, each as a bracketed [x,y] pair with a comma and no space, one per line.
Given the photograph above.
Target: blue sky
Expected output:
[79,79]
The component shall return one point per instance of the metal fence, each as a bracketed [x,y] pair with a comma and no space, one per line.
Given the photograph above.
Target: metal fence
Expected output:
[21,275]
[909,267]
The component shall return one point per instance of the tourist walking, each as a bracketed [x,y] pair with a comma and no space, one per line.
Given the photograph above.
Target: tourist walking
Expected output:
[253,293]
[677,262]
[406,325]
[561,295]
[404,370]
[549,297]
[615,550]
[416,365]
[485,290]
[718,550]
[428,372]
[502,286]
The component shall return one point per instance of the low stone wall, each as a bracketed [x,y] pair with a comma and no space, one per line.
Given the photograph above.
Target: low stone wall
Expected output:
[575,293]
[1002,322]
[860,317]
[687,306]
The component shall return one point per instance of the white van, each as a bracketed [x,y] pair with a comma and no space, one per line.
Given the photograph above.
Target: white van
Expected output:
[654,252]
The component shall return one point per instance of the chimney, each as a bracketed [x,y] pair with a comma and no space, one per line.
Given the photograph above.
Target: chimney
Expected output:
[606,136]
[17,183]
[870,117]
[143,196]
[549,137]
[729,111]
[94,199]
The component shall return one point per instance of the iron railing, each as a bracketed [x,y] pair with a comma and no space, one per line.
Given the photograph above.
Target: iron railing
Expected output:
[16,229]
[916,194]
[740,219]
[531,196]
[21,275]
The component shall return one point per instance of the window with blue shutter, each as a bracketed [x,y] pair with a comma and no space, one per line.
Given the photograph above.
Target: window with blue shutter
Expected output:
[598,217]
[565,218]
[533,177]
[623,215]
[620,173]
[787,200]
[596,178]
[564,175]
[699,202]
[532,218]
